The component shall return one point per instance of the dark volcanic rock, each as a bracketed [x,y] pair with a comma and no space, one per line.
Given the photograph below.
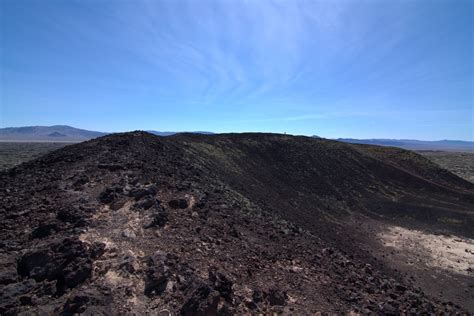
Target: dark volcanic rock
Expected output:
[8,276]
[110,167]
[139,193]
[80,181]
[109,195]
[157,274]
[247,224]
[221,284]
[71,215]
[276,297]
[11,294]
[44,230]
[178,204]
[88,302]
[67,261]
[257,296]
[202,302]
[146,203]
[158,219]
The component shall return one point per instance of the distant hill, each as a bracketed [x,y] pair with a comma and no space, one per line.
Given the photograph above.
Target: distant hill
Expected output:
[60,133]
[55,133]
[445,145]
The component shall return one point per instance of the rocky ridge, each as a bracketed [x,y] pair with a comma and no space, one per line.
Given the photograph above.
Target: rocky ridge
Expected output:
[138,223]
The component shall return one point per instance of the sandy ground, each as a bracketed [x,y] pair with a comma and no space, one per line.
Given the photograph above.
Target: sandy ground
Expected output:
[461,164]
[451,253]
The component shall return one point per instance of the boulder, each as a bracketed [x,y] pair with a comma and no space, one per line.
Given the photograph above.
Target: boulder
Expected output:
[68,261]
[110,194]
[158,219]
[257,296]
[87,302]
[157,274]
[44,230]
[80,181]
[71,215]
[146,203]
[276,297]
[139,193]
[202,302]
[178,204]
[221,284]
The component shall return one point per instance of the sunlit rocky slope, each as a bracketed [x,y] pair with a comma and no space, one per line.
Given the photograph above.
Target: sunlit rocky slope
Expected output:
[234,223]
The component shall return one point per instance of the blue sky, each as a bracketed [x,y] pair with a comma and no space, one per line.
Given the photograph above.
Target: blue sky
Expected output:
[362,69]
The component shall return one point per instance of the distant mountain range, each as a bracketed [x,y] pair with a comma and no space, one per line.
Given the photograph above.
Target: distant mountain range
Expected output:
[55,133]
[58,133]
[411,144]
[64,133]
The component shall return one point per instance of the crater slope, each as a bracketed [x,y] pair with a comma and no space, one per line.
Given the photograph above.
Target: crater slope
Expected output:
[222,224]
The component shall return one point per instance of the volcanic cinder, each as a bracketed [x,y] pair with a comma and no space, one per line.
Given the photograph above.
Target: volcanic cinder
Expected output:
[231,224]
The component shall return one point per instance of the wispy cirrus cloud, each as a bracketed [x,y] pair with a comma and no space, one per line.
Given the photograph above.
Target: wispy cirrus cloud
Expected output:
[264,63]
[232,49]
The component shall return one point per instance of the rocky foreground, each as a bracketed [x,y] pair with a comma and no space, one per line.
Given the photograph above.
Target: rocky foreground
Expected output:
[135,223]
